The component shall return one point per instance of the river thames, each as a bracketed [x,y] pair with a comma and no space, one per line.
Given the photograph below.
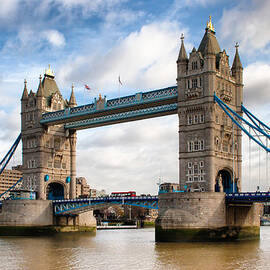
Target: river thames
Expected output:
[130,249]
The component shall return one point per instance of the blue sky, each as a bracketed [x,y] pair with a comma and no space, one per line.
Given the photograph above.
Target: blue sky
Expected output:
[93,41]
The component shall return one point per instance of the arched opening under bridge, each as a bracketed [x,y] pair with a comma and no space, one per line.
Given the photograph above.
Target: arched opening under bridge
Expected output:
[227,182]
[55,191]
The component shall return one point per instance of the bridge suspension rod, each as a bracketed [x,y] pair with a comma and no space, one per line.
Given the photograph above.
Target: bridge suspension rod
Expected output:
[230,113]
[4,162]
[250,115]
[11,187]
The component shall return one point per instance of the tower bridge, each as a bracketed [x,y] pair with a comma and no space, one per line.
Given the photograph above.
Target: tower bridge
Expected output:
[208,100]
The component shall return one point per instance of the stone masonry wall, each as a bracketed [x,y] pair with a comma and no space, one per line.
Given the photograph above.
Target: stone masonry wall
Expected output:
[192,210]
[26,213]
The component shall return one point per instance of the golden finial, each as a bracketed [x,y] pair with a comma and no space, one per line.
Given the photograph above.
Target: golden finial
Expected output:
[25,83]
[209,24]
[100,97]
[72,87]
[49,71]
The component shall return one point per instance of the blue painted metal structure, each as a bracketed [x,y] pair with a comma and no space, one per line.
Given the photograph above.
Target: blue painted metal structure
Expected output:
[76,206]
[260,129]
[12,187]
[4,162]
[134,107]
[248,197]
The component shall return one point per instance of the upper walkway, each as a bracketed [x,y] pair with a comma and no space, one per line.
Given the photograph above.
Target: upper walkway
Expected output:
[104,112]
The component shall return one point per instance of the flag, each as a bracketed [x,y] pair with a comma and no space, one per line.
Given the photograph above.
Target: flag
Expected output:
[119,80]
[87,87]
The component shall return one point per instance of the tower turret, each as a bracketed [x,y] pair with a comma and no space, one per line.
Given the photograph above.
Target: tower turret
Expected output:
[40,91]
[25,92]
[72,100]
[237,68]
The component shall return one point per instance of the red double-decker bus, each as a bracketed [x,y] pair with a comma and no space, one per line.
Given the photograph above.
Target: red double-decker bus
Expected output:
[124,194]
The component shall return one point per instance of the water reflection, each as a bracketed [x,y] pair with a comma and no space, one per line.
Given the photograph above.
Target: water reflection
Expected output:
[208,255]
[129,249]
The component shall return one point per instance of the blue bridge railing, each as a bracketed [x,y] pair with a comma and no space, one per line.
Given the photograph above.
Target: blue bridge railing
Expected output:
[155,98]
[248,197]
[76,206]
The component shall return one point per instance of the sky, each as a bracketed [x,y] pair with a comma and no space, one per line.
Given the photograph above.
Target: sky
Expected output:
[94,41]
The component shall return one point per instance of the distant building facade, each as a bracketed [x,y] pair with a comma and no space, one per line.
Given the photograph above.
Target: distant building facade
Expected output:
[82,188]
[8,178]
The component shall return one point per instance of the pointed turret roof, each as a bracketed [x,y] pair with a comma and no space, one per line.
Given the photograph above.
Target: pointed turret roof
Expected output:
[25,92]
[236,61]
[48,83]
[182,53]
[40,91]
[209,43]
[72,100]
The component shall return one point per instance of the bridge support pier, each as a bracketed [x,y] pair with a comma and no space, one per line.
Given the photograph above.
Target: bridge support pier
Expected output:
[35,217]
[204,216]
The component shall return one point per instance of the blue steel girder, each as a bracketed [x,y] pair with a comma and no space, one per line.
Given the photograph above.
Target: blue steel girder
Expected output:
[248,197]
[138,101]
[124,117]
[76,206]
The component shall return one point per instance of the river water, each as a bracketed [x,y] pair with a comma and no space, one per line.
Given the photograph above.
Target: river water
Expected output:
[130,249]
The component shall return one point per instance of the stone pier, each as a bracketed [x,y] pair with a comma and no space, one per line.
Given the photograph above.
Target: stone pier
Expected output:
[35,217]
[205,216]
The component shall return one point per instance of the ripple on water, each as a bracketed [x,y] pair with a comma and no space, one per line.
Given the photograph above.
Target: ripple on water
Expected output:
[130,249]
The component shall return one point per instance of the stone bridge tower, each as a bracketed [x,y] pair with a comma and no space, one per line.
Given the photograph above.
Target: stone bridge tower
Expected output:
[49,153]
[209,145]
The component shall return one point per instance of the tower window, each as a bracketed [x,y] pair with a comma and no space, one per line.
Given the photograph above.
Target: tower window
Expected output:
[57,144]
[189,119]
[194,65]
[194,83]
[196,146]
[57,163]
[196,119]
[190,146]
[202,118]
[202,145]
[196,171]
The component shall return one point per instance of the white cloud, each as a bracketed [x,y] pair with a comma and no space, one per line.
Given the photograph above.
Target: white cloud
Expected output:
[54,37]
[257,84]
[145,58]
[130,156]
[247,24]
[8,8]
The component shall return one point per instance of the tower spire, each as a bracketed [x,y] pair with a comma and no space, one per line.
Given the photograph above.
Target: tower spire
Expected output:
[25,92]
[237,62]
[182,53]
[72,99]
[40,91]
[209,25]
